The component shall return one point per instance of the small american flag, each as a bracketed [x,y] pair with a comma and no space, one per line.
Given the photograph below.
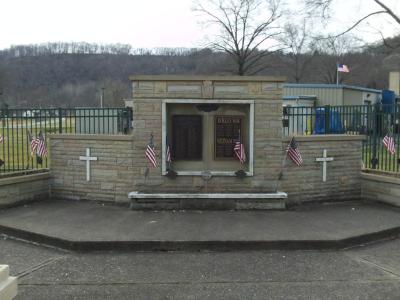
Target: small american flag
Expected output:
[293,152]
[343,68]
[33,142]
[41,145]
[150,154]
[239,151]
[168,155]
[388,142]
[38,144]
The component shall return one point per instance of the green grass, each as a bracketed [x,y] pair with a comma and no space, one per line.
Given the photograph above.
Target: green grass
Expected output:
[386,161]
[15,150]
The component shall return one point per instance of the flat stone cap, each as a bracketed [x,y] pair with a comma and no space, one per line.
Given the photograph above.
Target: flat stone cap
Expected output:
[277,195]
[205,78]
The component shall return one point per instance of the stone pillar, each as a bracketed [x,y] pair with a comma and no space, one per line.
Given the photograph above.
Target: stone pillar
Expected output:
[8,284]
[394,82]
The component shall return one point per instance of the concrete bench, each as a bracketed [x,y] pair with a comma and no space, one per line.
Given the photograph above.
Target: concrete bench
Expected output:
[8,284]
[220,201]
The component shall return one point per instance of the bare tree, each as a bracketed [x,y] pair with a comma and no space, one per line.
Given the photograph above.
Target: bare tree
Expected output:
[332,50]
[248,30]
[324,7]
[300,45]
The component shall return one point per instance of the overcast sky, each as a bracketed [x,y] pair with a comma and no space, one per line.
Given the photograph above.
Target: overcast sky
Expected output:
[141,23]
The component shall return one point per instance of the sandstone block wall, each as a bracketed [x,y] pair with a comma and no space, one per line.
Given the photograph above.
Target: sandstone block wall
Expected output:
[304,184]
[111,175]
[18,188]
[121,168]
[381,187]
[267,133]
[148,92]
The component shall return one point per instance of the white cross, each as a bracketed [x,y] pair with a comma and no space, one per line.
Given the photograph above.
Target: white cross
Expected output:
[324,159]
[87,158]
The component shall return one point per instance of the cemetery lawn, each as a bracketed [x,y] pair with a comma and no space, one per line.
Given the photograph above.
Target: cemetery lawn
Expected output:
[15,150]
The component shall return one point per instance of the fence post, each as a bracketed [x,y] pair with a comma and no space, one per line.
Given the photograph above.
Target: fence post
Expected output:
[327,119]
[59,120]
[374,159]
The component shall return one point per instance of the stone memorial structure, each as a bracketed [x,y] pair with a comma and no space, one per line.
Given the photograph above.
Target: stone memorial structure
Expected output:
[201,119]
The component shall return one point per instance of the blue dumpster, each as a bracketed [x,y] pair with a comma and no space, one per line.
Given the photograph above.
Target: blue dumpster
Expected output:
[335,123]
[388,101]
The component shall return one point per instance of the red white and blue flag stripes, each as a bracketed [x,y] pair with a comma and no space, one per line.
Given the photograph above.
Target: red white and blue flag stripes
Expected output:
[168,155]
[150,153]
[293,152]
[41,145]
[239,151]
[38,144]
[168,158]
[388,142]
[343,68]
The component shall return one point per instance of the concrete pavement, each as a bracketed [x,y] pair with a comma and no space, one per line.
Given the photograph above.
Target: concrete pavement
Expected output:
[371,272]
[94,226]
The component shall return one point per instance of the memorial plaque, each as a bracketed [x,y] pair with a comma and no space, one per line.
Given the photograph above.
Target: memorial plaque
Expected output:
[187,137]
[227,131]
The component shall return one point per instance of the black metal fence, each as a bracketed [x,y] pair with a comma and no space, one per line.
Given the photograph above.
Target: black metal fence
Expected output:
[17,125]
[327,120]
[374,121]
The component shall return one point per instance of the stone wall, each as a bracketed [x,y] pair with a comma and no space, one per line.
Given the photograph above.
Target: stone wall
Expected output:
[304,184]
[111,175]
[122,167]
[148,92]
[19,187]
[381,186]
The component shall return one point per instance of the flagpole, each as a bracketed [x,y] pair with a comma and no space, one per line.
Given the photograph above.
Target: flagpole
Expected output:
[283,165]
[337,73]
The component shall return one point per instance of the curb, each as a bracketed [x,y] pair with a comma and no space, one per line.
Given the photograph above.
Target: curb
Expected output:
[228,245]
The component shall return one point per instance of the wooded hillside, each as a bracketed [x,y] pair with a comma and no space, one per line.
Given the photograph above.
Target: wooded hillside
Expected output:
[73,74]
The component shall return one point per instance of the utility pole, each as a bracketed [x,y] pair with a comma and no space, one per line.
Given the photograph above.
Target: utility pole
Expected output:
[102,97]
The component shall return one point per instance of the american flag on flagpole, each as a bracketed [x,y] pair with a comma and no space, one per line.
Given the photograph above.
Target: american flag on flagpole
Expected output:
[33,143]
[38,144]
[150,154]
[239,151]
[343,68]
[41,145]
[168,158]
[293,152]
[388,142]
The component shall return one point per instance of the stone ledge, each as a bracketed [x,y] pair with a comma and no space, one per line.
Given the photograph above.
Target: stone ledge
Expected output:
[24,178]
[202,101]
[381,178]
[96,137]
[8,284]
[325,138]
[277,195]
[207,78]
[207,201]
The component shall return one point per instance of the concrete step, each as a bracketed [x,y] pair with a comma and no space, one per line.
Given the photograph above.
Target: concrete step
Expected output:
[316,227]
[8,284]
[207,201]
